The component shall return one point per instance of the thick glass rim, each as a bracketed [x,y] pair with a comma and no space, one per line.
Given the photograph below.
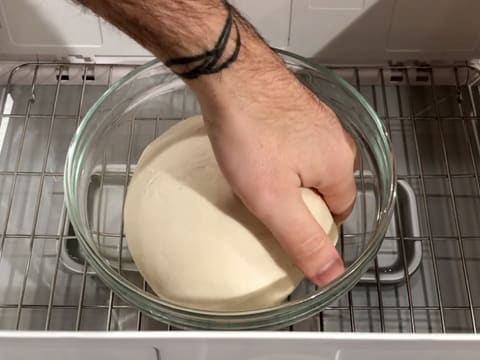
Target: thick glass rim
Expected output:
[279,315]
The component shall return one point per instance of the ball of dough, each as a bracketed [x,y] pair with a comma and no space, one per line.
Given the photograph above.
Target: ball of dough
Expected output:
[193,240]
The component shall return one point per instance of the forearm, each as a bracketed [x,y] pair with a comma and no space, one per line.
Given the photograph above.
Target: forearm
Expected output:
[179,28]
[168,28]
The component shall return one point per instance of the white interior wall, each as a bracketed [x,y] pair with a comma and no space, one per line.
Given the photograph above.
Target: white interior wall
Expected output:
[344,31]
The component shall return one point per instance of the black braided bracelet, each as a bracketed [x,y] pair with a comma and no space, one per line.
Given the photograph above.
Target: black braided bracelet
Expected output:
[209,60]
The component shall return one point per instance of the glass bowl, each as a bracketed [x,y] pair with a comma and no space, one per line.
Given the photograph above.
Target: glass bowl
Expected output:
[143,104]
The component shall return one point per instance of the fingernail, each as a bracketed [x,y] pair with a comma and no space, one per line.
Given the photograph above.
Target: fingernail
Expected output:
[330,272]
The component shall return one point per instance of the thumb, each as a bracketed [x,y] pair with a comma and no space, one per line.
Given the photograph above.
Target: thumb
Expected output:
[300,235]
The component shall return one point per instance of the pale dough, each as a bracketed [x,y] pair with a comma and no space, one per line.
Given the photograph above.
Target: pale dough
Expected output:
[193,240]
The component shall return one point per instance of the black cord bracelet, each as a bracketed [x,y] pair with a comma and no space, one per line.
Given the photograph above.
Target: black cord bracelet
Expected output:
[209,60]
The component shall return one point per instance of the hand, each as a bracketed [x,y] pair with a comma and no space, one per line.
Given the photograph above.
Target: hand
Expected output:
[269,133]
[271,138]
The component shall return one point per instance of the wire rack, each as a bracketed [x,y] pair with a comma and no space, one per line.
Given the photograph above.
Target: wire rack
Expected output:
[431,116]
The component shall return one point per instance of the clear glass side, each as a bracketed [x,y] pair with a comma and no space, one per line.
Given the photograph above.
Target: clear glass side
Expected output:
[141,106]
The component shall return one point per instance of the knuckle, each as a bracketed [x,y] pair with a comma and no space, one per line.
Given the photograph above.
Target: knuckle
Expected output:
[341,162]
[346,157]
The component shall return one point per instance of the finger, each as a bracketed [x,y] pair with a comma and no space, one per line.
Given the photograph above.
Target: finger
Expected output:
[340,197]
[300,235]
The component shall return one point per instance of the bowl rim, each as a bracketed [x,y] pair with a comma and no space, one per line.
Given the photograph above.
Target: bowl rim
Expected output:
[279,315]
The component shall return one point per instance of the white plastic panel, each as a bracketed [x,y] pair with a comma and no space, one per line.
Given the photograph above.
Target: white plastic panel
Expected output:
[237,346]
[333,31]
[272,18]
[26,24]
[378,31]
[60,28]
[324,28]
[448,27]
[338,5]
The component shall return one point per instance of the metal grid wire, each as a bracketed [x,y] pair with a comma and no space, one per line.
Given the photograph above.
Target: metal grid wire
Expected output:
[431,116]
